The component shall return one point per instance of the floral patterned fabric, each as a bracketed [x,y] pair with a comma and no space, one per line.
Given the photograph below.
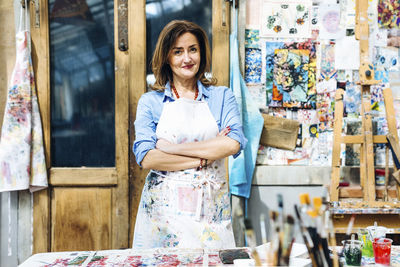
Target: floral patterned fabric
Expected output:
[188,208]
[22,161]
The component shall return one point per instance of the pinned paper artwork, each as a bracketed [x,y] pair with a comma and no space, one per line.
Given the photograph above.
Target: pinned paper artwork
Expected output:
[314,18]
[386,58]
[300,100]
[286,19]
[252,38]
[328,70]
[352,99]
[291,75]
[389,14]
[378,36]
[307,116]
[377,99]
[259,95]
[347,54]
[253,66]
[329,19]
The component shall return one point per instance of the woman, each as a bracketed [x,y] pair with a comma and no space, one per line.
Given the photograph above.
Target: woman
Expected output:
[184,130]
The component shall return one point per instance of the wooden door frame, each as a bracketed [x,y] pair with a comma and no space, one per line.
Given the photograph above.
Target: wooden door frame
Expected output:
[137,78]
[115,177]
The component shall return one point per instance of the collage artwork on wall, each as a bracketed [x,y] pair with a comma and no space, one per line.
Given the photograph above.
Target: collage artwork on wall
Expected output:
[297,51]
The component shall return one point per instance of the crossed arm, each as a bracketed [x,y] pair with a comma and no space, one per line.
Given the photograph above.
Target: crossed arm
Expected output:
[172,157]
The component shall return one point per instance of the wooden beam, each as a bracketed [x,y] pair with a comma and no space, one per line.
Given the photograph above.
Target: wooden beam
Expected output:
[359,139]
[41,68]
[83,176]
[137,87]
[337,132]
[120,194]
[220,41]
[391,120]
[369,185]
[356,192]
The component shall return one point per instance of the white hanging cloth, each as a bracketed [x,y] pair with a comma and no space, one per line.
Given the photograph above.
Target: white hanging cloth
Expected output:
[22,161]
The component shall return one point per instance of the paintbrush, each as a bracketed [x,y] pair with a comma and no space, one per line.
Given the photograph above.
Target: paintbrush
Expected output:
[306,237]
[251,240]
[288,240]
[281,233]
[274,243]
[320,209]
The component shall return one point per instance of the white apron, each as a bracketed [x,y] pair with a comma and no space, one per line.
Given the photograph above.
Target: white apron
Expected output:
[189,208]
[22,160]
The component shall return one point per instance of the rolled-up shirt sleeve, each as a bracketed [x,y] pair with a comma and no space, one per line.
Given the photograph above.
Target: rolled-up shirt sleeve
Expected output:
[145,129]
[230,116]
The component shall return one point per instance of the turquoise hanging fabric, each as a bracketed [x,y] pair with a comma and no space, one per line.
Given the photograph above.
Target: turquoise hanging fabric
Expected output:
[241,169]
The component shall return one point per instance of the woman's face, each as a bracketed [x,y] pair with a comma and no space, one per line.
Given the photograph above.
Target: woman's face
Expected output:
[184,57]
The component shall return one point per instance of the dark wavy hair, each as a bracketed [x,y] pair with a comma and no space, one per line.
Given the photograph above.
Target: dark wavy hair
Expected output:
[168,36]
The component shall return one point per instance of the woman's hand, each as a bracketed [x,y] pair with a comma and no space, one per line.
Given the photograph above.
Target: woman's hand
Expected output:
[224,131]
[163,145]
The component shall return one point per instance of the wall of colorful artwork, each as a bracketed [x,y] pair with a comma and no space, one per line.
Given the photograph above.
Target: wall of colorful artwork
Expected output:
[297,51]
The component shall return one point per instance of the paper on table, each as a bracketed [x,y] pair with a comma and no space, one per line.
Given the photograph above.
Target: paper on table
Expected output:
[298,250]
[347,54]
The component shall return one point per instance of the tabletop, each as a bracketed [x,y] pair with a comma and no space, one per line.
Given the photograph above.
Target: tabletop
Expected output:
[164,257]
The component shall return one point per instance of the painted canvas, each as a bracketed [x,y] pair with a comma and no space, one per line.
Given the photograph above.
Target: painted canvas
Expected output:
[277,97]
[389,14]
[291,75]
[286,19]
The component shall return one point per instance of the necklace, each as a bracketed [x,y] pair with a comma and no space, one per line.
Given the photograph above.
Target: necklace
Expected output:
[177,95]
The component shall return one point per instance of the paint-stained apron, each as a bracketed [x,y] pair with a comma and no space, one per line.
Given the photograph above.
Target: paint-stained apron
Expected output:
[189,208]
[22,160]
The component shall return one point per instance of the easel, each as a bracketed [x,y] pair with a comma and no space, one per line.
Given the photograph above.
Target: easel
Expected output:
[367,208]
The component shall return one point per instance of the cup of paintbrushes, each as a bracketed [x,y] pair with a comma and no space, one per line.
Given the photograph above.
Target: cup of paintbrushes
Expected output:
[352,252]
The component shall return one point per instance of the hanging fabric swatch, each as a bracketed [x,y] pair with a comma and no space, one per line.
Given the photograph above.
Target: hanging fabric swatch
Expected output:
[389,13]
[22,161]
[286,19]
[253,66]
[252,38]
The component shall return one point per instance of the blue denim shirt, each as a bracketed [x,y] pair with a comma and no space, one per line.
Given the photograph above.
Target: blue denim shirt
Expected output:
[222,104]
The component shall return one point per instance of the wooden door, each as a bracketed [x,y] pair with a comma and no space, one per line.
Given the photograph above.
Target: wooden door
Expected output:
[88,206]
[82,84]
